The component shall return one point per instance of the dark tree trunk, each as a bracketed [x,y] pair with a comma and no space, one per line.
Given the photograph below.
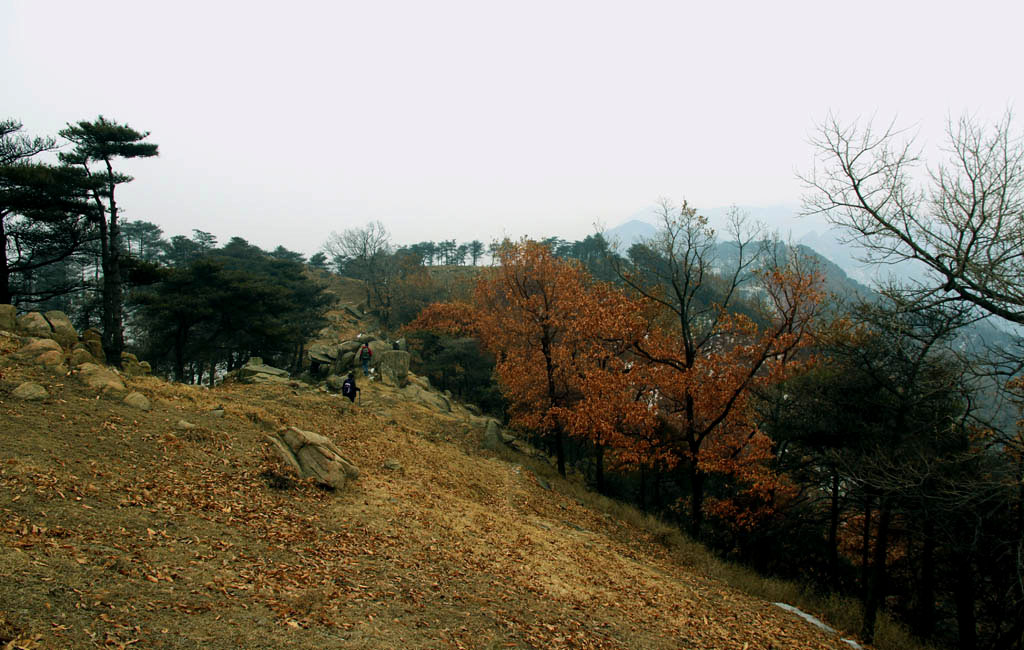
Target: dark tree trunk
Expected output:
[865,548]
[877,582]
[599,470]
[560,450]
[963,596]
[696,500]
[113,301]
[925,619]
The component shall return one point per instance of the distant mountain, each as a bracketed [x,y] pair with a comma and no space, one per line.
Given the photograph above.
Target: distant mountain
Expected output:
[783,220]
[622,237]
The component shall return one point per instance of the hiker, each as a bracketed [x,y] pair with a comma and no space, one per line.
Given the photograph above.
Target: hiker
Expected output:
[349,388]
[364,356]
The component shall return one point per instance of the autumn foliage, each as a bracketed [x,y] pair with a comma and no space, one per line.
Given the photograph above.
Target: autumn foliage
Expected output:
[559,341]
[576,357]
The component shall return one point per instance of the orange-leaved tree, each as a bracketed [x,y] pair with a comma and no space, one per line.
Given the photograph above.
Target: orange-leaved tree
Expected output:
[558,339]
[733,317]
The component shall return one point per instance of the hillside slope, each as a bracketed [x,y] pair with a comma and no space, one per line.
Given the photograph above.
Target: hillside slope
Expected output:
[121,528]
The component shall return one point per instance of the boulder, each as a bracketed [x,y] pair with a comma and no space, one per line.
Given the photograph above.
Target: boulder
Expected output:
[63,331]
[349,346]
[493,439]
[377,348]
[80,354]
[428,398]
[257,372]
[33,348]
[8,318]
[419,380]
[345,363]
[52,360]
[334,383]
[100,378]
[394,367]
[138,400]
[44,352]
[29,392]
[323,353]
[132,366]
[314,455]
[33,324]
[93,341]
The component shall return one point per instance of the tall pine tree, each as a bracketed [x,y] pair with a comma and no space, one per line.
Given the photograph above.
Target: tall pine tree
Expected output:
[97,145]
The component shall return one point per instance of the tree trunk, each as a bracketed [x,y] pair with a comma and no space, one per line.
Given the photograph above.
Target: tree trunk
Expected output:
[865,549]
[876,584]
[963,596]
[599,470]
[696,500]
[113,301]
[925,623]
[560,450]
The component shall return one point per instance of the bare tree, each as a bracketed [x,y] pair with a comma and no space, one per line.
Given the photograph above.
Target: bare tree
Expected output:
[963,220]
[364,254]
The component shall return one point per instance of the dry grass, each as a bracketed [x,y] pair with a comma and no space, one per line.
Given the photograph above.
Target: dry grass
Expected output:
[841,613]
[116,530]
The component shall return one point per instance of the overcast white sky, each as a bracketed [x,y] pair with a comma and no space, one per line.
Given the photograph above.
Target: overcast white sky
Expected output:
[282,121]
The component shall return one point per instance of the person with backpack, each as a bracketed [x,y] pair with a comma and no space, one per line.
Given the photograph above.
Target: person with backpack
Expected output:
[364,357]
[349,388]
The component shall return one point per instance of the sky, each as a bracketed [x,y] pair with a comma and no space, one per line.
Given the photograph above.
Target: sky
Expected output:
[281,122]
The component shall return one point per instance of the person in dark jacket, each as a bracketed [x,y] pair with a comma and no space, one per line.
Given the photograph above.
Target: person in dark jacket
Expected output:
[349,388]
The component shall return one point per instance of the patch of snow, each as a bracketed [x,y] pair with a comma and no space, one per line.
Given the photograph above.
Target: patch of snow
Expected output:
[813,620]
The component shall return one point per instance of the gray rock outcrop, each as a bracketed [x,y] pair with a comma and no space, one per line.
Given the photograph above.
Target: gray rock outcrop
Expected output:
[133,367]
[138,400]
[100,378]
[394,368]
[62,330]
[493,439]
[428,398]
[314,455]
[29,392]
[44,352]
[93,341]
[349,346]
[33,324]
[256,372]
[80,354]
